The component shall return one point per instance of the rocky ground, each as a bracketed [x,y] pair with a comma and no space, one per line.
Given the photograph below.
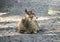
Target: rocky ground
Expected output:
[49,30]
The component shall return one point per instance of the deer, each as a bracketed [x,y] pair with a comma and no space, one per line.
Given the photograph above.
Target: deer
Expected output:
[28,24]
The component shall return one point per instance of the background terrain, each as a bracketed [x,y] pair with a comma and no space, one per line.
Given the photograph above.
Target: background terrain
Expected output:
[47,11]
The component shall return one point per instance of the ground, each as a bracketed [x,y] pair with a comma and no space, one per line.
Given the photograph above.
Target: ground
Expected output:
[49,29]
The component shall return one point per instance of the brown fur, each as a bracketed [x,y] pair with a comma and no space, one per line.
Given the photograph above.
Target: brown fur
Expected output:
[24,26]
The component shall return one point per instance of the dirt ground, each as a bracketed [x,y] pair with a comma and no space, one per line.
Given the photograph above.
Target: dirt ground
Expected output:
[49,30]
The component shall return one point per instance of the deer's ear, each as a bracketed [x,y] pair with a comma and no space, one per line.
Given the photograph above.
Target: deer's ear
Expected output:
[26,10]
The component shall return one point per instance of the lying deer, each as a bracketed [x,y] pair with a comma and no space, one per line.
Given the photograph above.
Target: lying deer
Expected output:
[28,24]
